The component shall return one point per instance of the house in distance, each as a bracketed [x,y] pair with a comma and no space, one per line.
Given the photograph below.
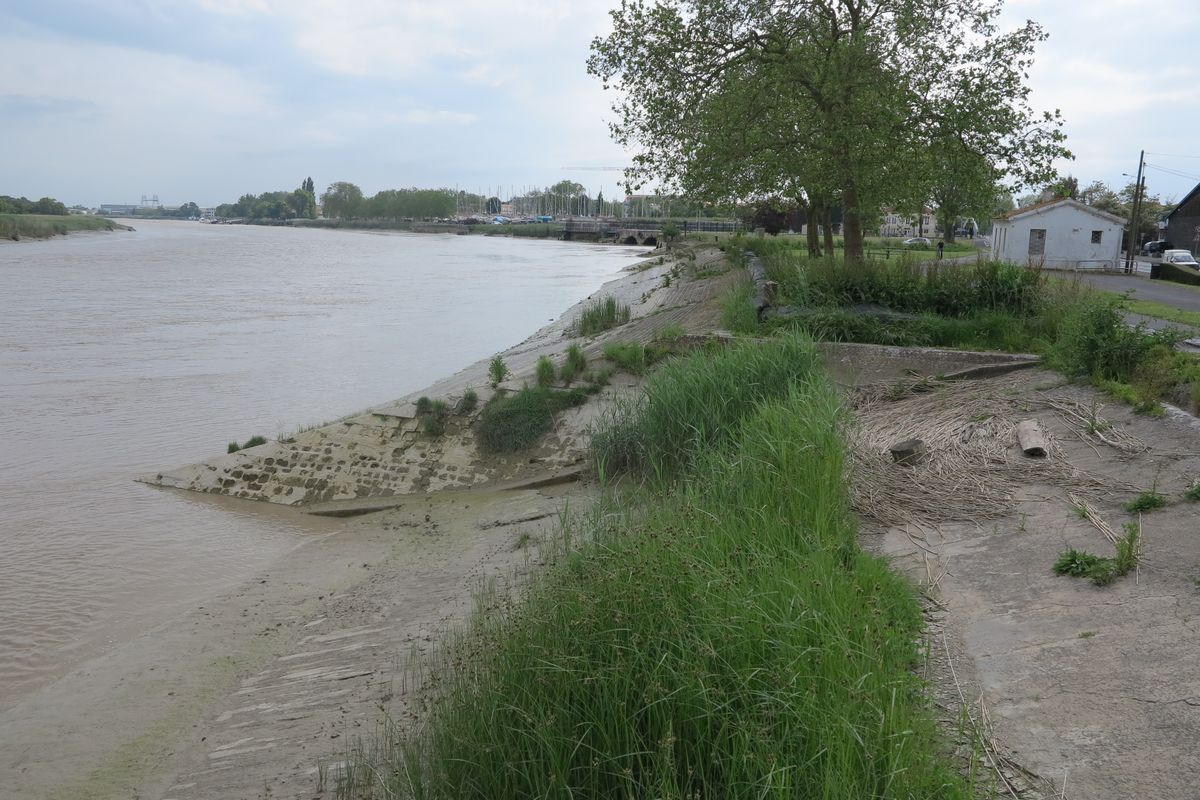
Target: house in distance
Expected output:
[1059,234]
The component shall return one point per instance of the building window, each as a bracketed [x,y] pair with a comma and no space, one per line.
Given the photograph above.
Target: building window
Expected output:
[1037,242]
[1096,236]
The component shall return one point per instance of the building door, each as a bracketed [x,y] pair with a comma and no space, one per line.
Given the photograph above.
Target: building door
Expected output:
[1037,242]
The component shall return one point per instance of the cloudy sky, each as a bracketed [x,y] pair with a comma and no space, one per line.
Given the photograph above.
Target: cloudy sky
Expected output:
[103,101]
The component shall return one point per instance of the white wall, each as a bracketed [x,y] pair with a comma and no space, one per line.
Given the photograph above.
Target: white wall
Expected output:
[1068,239]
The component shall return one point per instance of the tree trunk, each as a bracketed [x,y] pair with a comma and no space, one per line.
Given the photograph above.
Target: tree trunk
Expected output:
[827,223]
[852,231]
[814,242]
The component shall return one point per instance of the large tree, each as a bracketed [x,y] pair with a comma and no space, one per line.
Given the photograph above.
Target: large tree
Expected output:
[846,99]
[341,200]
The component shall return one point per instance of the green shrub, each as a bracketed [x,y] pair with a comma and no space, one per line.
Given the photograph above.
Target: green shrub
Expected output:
[544,372]
[424,405]
[600,316]
[468,402]
[1146,501]
[1095,341]
[518,421]
[1178,274]
[497,371]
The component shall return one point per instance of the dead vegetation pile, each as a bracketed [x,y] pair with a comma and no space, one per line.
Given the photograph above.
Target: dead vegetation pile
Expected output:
[973,469]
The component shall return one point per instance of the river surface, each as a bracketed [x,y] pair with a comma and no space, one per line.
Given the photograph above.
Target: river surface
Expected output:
[124,353]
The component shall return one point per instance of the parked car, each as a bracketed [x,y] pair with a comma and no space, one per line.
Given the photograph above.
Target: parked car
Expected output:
[1180,258]
[917,240]
[1156,247]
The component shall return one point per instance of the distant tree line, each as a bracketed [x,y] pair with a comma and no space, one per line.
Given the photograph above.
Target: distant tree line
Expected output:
[344,200]
[23,205]
[298,203]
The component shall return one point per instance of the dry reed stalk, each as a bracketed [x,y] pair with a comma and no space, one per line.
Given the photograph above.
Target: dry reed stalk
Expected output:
[973,470]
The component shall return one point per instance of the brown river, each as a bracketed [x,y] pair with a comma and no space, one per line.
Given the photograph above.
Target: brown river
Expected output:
[124,353]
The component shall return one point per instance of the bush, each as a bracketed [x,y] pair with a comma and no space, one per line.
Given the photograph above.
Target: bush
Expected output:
[468,402]
[518,421]
[1178,274]
[424,405]
[545,372]
[497,371]
[1095,341]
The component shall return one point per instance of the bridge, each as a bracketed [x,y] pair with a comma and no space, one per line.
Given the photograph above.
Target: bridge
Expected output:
[643,232]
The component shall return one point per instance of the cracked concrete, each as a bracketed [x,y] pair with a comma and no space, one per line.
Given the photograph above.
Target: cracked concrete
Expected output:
[1088,686]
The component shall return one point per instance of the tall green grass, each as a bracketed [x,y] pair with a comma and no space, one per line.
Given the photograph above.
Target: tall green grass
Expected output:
[723,637]
[694,403]
[600,316]
[518,421]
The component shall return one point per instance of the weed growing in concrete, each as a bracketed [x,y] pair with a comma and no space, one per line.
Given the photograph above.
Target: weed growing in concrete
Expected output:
[1103,571]
[424,405]
[1193,493]
[1146,501]
[432,414]
[497,371]
[1087,634]
[670,333]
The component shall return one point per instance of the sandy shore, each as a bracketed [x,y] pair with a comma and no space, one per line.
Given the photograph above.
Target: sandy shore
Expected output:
[242,695]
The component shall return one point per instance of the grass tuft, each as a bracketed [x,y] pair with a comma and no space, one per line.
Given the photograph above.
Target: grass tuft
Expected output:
[1146,501]
[600,316]
[520,420]
[544,372]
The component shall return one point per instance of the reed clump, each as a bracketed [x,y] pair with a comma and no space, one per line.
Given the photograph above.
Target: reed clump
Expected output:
[600,316]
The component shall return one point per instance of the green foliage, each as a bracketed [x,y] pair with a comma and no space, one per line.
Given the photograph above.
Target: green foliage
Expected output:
[518,421]
[723,638]
[1146,501]
[670,333]
[1178,274]
[737,309]
[468,402]
[544,372]
[1096,342]
[432,415]
[47,206]
[1103,571]
[1193,493]
[574,364]
[253,441]
[424,405]
[600,316]
[497,370]
[693,402]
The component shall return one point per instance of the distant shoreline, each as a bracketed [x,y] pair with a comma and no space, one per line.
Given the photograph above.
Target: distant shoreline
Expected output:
[15,227]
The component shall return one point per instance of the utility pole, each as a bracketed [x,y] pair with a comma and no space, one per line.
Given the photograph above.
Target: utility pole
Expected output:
[1134,212]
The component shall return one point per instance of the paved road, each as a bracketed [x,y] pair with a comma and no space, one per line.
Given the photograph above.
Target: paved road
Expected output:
[1172,294]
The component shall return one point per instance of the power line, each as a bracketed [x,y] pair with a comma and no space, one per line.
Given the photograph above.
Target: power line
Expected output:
[1174,172]
[1169,155]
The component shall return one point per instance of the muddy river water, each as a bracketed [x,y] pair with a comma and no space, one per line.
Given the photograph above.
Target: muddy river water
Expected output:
[124,353]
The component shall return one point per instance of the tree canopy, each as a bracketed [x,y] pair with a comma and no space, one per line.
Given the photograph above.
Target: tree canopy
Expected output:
[860,103]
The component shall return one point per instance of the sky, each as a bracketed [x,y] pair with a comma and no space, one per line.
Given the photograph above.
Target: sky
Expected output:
[104,101]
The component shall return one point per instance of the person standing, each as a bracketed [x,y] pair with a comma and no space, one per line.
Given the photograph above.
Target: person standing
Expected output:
[941,249]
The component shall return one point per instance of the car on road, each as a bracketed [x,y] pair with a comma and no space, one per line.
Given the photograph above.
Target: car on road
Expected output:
[917,240]
[1156,247]
[1180,258]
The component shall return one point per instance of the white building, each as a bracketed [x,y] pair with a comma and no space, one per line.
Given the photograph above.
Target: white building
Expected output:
[1059,234]
[896,224]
